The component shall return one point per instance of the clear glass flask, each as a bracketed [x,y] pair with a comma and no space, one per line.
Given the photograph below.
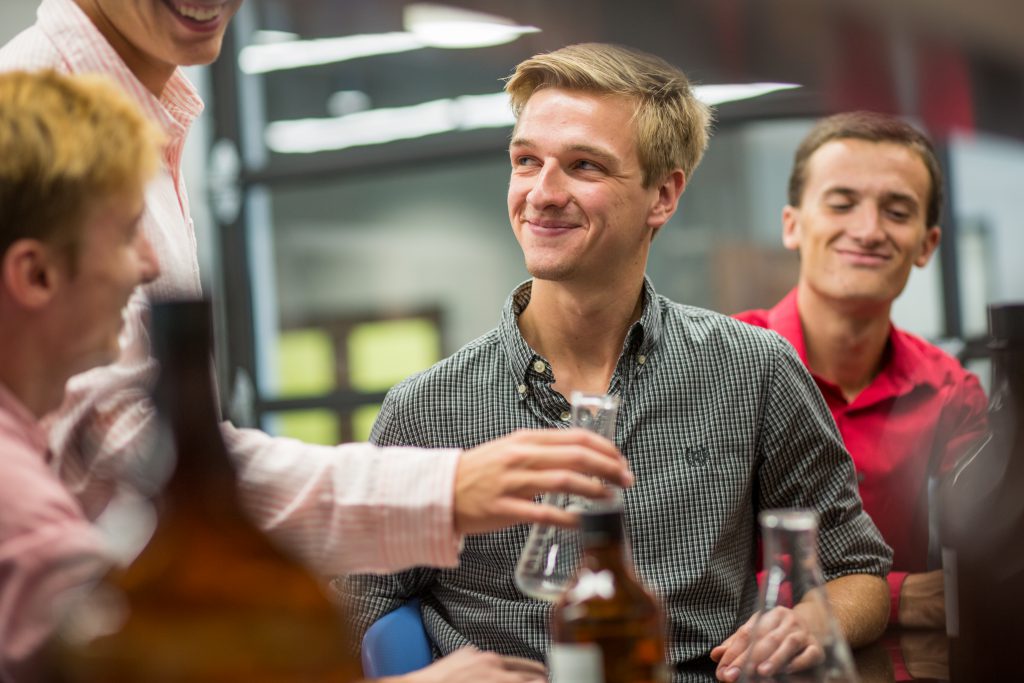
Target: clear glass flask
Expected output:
[793,581]
[552,554]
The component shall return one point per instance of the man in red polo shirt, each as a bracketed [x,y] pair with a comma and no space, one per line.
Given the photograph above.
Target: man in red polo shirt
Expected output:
[864,198]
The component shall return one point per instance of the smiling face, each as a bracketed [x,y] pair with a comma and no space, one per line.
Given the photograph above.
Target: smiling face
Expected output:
[156,36]
[861,226]
[113,257]
[576,198]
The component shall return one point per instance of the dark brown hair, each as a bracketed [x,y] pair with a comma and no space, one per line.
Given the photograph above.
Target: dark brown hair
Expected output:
[872,127]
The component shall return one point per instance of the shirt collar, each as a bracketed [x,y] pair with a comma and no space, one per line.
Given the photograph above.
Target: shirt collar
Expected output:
[17,419]
[904,369]
[644,335]
[85,50]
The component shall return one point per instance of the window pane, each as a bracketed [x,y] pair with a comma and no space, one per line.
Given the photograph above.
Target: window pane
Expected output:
[311,426]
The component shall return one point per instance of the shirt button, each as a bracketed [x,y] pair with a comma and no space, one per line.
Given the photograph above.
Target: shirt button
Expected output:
[539,366]
[521,388]
[565,416]
[641,359]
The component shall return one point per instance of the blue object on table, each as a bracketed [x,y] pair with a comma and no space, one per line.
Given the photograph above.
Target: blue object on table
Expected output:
[396,643]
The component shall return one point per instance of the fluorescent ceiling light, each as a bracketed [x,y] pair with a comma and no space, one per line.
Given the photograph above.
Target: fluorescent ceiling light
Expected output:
[454,27]
[731,92]
[378,126]
[258,59]
[469,112]
[426,25]
[267,37]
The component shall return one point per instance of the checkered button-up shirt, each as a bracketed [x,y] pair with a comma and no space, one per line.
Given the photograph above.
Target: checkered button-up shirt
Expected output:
[718,420]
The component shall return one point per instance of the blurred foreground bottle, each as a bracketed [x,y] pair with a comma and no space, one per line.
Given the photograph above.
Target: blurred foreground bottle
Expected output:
[209,598]
[983,524]
[793,581]
[607,628]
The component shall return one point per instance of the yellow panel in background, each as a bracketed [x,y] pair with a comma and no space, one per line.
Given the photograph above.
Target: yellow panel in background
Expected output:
[305,363]
[311,426]
[384,353]
[363,418]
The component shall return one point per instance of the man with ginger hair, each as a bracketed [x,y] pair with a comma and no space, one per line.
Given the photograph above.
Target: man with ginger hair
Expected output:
[865,195]
[75,155]
[718,420]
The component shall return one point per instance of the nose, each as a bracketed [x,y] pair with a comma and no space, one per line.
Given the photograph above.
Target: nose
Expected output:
[866,225]
[549,188]
[149,265]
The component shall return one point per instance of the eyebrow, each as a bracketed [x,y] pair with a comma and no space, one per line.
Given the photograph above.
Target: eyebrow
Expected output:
[589,150]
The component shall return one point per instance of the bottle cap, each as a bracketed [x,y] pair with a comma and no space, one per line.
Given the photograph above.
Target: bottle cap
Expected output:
[1006,322]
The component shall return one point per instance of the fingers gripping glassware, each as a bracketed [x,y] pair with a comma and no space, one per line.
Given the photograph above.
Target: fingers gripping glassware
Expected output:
[552,554]
[793,586]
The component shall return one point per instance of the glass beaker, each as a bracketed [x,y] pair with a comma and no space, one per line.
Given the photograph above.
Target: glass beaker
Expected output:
[793,581]
[552,554]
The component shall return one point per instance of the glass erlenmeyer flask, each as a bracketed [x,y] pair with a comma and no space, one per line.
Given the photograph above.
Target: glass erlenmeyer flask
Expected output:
[793,581]
[552,554]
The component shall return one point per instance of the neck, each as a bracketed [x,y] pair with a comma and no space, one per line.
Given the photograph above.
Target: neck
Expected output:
[31,376]
[580,330]
[845,346]
[152,73]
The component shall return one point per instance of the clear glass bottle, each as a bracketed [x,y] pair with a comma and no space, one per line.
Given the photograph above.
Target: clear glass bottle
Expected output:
[793,581]
[551,555]
[606,627]
[982,523]
[209,598]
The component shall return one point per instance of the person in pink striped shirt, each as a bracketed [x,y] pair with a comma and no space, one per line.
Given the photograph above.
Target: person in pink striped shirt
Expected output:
[75,155]
[349,508]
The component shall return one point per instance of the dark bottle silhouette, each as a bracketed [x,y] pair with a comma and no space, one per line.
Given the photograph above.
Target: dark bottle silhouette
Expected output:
[210,598]
[607,628]
[983,524]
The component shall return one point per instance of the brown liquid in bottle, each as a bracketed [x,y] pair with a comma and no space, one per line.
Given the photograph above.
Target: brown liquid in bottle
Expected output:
[607,628]
[210,598]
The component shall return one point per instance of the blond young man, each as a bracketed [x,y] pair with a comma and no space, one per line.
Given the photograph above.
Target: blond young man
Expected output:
[864,201]
[343,508]
[75,155]
[718,420]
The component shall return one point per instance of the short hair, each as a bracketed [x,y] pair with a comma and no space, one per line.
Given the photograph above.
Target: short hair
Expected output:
[872,127]
[672,126]
[65,142]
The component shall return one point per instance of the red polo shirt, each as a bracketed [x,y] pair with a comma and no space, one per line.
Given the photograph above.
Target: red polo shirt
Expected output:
[922,410]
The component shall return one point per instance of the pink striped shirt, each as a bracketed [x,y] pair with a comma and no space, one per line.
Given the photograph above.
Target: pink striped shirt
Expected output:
[47,546]
[343,509]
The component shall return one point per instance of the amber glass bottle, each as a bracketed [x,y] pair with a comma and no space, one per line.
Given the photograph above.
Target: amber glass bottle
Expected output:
[607,628]
[210,598]
[983,524]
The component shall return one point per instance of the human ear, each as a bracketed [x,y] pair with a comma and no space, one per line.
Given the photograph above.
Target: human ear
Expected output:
[931,242]
[791,227]
[665,204]
[31,274]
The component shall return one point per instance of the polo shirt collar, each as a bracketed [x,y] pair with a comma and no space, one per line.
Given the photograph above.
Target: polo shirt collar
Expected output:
[905,368]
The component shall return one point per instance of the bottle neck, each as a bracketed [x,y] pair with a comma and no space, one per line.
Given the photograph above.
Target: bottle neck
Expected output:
[1007,374]
[604,542]
[186,406]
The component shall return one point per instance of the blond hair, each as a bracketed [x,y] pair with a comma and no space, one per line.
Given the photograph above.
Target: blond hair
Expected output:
[672,126]
[66,142]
